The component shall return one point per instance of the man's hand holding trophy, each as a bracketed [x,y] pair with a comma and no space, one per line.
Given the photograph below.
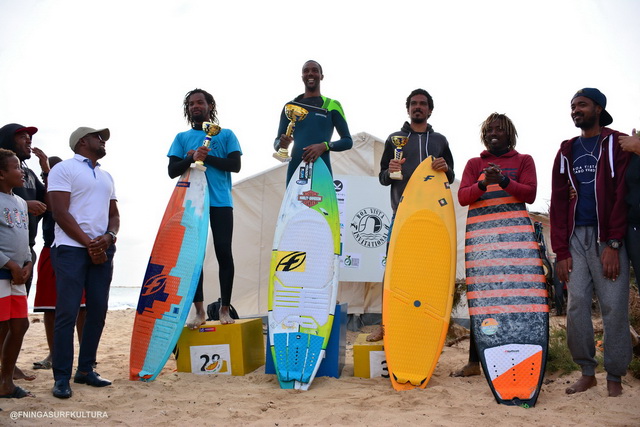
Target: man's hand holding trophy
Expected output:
[211,129]
[398,142]
[294,113]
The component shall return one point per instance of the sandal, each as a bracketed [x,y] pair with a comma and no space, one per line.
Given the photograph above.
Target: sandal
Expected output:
[18,393]
[44,364]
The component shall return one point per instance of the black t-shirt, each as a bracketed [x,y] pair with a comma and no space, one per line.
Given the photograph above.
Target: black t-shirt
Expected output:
[33,190]
[585,158]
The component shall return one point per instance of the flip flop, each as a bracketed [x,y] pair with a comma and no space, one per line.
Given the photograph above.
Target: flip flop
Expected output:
[45,364]
[18,393]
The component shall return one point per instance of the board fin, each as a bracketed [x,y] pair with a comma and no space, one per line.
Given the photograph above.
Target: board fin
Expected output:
[404,379]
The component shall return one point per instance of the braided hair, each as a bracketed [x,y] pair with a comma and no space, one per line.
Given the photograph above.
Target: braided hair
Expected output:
[505,123]
[208,97]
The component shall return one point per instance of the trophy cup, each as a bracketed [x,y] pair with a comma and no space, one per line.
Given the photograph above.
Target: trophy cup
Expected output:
[295,114]
[398,142]
[211,129]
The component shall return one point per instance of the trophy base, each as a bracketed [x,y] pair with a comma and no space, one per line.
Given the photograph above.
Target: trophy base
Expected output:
[199,165]
[396,175]
[283,159]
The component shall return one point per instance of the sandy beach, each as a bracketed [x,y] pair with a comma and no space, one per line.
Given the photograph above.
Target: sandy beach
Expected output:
[177,398]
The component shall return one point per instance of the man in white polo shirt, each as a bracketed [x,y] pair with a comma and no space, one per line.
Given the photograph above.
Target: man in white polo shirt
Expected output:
[84,206]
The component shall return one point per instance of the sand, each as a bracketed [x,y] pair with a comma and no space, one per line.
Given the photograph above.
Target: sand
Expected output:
[176,398]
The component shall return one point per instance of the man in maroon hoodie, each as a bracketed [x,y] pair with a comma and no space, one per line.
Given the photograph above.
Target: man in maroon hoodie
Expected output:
[587,232]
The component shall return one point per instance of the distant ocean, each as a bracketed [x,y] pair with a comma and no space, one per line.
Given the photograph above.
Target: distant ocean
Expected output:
[120,298]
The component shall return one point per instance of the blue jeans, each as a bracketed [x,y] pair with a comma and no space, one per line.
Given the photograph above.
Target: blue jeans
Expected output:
[76,273]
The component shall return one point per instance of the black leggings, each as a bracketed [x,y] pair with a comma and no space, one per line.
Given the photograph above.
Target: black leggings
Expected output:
[473,350]
[221,220]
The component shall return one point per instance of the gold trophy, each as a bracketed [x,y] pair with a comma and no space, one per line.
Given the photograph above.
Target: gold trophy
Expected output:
[294,113]
[211,129]
[398,142]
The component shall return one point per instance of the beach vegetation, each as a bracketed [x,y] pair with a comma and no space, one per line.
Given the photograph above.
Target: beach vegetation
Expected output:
[558,355]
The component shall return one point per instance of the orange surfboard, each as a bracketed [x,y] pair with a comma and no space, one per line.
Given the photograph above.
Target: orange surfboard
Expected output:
[419,278]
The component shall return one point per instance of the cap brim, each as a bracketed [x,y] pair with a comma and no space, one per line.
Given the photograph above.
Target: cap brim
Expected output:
[104,134]
[29,129]
[605,118]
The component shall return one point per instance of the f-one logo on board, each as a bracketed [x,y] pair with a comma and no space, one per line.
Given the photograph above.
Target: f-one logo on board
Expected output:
[154,285]
[153,288]
[310,198]
[370,227]
[291,261]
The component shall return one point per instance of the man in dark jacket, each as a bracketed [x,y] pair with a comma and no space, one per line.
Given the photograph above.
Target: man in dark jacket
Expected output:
[587,232]
[422,142]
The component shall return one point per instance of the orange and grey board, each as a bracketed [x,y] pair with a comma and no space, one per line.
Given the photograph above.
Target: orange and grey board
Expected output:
[419,278]
[507,296]
[171,277]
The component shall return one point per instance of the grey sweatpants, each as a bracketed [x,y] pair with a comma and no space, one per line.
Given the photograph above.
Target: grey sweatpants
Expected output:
[613,297]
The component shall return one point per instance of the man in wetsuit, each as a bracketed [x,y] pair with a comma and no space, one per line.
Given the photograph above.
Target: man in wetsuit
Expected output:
[313,134]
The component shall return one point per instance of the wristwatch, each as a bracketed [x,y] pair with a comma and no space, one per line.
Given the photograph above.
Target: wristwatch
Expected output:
[113,236]
[614,244]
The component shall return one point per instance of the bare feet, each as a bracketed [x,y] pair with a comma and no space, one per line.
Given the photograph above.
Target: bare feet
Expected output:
[199,318]
[19,375]
[376,335]
[614,388]
[468,370]
[583,384]
[225,316]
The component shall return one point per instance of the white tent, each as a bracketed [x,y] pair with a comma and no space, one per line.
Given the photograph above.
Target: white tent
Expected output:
[256,204]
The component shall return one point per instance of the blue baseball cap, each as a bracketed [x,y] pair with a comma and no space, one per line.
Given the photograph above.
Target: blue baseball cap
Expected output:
[598,97]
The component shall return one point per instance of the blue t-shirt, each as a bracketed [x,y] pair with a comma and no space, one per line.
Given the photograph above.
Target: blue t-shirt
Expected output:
[221,145]
[585,157]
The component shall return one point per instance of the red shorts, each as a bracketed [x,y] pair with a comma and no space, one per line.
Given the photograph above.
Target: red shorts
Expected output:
[13,301]
[46,285]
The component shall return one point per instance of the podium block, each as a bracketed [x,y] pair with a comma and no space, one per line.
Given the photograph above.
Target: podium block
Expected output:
[214,348]
[333,362]
[369,360]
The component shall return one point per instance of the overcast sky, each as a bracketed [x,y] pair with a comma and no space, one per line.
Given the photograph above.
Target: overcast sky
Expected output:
[126,65]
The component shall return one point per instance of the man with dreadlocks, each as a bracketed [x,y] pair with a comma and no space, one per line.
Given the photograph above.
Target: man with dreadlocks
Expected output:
[221,158]
[501,164]
[313,134]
